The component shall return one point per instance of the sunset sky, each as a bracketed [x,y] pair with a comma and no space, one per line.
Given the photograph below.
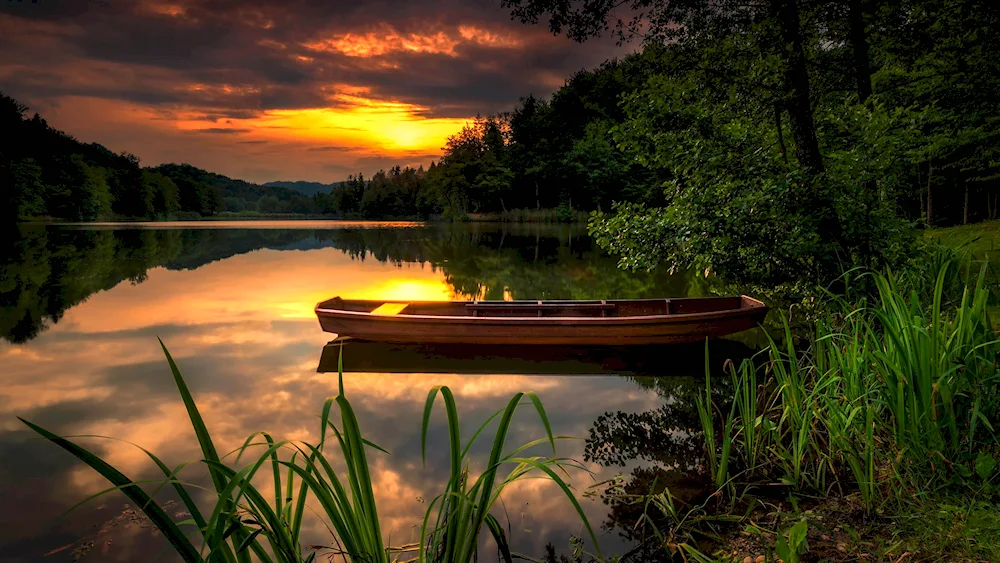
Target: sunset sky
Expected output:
[277,90]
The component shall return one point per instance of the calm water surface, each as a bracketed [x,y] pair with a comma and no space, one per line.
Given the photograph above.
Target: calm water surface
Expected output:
[81,307]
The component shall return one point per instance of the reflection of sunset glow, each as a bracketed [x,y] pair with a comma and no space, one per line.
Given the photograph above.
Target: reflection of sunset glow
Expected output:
[244,334]
[262,289]
[408,289]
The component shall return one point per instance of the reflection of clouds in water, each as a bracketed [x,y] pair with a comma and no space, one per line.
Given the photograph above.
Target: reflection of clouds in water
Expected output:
[261,285]
[100,371]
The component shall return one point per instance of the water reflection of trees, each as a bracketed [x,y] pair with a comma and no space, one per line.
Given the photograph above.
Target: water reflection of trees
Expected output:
[666,441]
[46,270]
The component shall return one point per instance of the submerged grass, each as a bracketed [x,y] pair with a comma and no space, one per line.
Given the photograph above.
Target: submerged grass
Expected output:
[247,522]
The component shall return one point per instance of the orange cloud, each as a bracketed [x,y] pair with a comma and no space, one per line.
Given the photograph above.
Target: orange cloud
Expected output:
[488,38]
[386,40]
[166,9]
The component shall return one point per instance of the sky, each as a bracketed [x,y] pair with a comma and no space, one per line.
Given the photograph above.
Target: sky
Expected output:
[278,90]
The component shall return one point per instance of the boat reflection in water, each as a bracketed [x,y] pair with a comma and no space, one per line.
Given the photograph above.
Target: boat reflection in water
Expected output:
[636,361]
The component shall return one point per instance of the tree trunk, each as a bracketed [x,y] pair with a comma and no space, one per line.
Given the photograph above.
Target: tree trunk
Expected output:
[930,195]
[862,70]
[859,43]
[781,135]
[965,211]
[796,78]
[538,202]
[798,103]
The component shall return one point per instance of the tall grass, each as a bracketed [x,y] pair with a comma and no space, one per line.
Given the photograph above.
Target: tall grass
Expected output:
[455,517]
[891,398]
[247,522]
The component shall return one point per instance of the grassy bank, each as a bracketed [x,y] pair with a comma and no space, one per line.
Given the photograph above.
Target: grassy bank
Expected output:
[873,439]
[980,240]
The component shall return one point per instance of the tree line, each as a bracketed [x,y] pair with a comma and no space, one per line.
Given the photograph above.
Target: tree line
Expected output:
[46,173]
[544,154]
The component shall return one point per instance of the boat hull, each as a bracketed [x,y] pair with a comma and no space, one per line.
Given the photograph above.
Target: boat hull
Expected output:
[560,330]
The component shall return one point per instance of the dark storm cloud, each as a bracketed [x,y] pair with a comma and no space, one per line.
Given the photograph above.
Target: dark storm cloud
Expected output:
[236,58]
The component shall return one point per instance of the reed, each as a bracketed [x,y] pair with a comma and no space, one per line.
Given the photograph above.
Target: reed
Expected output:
[896,396]
[455,518]
[247,522]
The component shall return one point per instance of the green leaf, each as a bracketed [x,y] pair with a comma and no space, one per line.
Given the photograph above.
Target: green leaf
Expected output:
[781,548]
[797,537]
[248,540]
[985,464]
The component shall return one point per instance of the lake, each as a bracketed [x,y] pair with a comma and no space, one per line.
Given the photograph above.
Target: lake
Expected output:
[81,308]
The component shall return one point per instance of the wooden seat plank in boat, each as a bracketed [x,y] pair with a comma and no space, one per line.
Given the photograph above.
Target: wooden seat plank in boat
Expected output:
[620,322]
[389,309]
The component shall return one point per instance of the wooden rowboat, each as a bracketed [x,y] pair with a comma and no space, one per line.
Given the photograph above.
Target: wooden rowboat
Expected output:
[622,322]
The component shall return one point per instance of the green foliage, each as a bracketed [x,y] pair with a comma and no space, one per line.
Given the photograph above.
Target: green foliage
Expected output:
[166,196]
[548,153]
[894,398]
[793,140]
[44,172]
[792,548]
[734,204]
[23,192]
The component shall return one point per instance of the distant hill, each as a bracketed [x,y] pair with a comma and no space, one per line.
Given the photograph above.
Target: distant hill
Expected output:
[308,188]
[228,187]
[47,174]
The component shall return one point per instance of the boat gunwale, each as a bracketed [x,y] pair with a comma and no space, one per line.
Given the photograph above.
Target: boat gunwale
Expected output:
[756,306]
